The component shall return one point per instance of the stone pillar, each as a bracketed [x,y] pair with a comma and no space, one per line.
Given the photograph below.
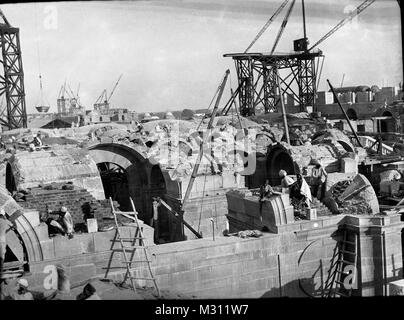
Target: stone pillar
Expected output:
[379,259]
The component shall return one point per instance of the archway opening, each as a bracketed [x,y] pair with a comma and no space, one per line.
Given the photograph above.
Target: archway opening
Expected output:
[158,189]
[10,181]
[345,145]
[130,173]
[115,182]
[277,160]
[351,113]
[387,123]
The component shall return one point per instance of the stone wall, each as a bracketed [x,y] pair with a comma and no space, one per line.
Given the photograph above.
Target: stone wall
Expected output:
[198,212]
[75,200]
[293,263]
[228,267]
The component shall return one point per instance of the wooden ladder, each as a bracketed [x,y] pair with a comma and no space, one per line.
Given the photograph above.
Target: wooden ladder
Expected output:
[343,264]
[132,215]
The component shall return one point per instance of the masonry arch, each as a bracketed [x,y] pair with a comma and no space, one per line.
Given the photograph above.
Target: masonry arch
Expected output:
[387,123]
[278,159]
[352,115]
[131,172]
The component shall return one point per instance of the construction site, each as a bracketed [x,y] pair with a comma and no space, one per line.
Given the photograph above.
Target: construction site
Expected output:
[276,189]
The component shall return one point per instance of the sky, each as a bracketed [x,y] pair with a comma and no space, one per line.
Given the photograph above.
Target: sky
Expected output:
[170,53]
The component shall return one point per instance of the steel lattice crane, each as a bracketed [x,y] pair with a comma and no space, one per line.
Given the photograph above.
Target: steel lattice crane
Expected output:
[12,78]
[257,72]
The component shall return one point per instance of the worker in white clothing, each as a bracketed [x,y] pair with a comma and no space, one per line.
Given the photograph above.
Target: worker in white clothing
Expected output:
[63,224]
[67,222]
[286,181]
[37,140]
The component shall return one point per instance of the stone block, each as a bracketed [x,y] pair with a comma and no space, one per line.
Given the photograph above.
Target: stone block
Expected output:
[42,231]
[103,241]
[311,214]
[48,249]
[349,165]
[92,225]
[33,217]
[81,243]
[81,273]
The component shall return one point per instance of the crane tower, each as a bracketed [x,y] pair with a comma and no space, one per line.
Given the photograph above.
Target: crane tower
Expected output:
[298,71]
[14,114]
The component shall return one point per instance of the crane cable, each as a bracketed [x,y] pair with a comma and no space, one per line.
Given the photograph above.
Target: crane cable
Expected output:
[41,102]
[283,26]
[266,25]
[340,24]
[211,101]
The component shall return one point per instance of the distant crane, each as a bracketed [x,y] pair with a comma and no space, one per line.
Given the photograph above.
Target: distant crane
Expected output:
[342,81]
[73,101]
[102,103]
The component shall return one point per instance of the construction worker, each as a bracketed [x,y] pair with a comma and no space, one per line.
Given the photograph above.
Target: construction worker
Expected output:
[155,220]
[286,181]
[265,190]
[319,176]
[62,225]
[37,140]
[67,222]
[5,225]
[22,291]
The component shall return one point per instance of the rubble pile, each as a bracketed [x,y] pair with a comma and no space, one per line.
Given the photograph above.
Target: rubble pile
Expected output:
[352,196]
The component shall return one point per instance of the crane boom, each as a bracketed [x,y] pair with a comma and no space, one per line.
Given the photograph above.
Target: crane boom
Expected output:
[283,26]
[4,19]
[61,92]
[210,125]
[113,90]
[73,96]
[353,14]
[267,24]
[77,92]
[99,100]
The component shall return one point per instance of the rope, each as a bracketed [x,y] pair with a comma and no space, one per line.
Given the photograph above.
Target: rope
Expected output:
[39,61]
[210,105]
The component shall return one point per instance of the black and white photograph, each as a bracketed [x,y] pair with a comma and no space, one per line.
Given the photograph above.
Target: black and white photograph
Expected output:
[177,152]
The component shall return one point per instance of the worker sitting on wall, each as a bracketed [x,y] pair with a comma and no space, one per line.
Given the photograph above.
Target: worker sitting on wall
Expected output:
[63,224]
[265,190]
